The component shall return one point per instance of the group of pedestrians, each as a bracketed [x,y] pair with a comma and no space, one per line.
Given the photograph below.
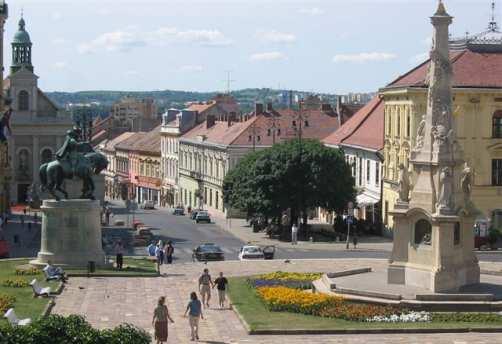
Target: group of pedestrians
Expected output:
[161,315]
[163,253]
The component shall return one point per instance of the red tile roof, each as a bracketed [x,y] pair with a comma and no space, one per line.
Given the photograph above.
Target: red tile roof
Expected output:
[364,129]
[149,143]
[470,69]
[319,126]
[201,107]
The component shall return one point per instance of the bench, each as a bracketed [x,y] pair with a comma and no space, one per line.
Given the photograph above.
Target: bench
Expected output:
[13,320]
[39,291]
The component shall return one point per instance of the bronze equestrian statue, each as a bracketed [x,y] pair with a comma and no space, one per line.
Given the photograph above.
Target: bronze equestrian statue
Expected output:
[74,159]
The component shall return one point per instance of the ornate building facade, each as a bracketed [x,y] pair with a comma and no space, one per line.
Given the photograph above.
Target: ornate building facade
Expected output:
[477,120]
[38,125]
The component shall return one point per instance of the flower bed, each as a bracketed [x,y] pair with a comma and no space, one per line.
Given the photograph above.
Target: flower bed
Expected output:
[283,299]
[291,276]
[405,317]
[15,283]
[6,302]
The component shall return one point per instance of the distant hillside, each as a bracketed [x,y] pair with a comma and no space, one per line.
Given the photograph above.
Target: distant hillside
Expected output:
[173,99]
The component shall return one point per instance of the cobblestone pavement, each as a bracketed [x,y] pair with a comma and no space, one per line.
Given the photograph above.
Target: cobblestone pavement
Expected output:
[107,302]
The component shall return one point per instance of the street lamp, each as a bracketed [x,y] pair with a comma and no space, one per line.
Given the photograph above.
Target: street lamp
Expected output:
[350,218]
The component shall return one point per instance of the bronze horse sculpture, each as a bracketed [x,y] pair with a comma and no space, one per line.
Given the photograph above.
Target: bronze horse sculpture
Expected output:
[87,164]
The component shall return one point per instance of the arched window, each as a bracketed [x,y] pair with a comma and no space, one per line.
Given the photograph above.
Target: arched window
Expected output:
[423,232]
[46,156]
[23,101]
[497,124]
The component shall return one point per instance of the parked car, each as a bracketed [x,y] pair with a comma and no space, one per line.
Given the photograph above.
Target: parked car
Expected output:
[269,252]
[251,252]
[179,211]
[202,216]
[208,251]
[148,205]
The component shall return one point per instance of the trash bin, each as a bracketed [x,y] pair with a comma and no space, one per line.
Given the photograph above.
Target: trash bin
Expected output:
[91,267]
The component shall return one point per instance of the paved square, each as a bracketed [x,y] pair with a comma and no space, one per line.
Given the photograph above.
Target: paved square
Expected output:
[107,302]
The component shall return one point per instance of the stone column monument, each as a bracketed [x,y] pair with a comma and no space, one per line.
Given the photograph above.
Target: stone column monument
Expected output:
[433,237]
[71,228]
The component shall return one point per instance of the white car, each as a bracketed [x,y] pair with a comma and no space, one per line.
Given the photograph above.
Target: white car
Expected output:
[251,252]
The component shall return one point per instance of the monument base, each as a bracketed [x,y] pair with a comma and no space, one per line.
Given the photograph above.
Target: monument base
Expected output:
[71,233]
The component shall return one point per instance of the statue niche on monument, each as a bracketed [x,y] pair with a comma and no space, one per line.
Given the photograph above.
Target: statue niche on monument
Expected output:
[74,159]
[420,134]
[446,189]
[404,184]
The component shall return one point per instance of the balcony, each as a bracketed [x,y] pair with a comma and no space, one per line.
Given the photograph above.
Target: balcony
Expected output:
[196,175]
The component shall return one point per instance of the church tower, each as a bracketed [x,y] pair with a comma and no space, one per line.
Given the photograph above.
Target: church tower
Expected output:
[433,238]
[21,49]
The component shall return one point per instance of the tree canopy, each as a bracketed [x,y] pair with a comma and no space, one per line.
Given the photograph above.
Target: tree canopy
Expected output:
[295,175]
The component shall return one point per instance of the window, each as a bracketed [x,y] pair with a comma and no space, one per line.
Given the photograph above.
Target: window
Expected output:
[258,138]
[398,132]
[386,213]
[250,138]
[360,171]
[368,167]
[269,132]
[408,126]
[217,200]
[497,172]
[389,124]
[423,232]
[294,123]
[306,123]
[497,124]
[279,132]
[210,197]
[23,101]
[205,195]
[377,173]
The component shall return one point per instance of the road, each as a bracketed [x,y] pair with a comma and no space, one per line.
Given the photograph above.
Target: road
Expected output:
[186,234]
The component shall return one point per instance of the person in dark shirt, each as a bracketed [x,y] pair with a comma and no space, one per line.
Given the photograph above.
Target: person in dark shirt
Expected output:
[221,283]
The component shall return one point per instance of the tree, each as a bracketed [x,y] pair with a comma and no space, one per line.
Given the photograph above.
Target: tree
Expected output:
[295,175]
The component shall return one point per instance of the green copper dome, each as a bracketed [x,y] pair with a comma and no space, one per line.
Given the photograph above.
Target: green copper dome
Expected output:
[21,36]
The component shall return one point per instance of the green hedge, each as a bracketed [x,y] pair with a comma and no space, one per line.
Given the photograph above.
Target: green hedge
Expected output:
[56,329]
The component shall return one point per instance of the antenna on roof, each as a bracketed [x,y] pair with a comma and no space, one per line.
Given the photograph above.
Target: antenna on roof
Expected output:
[229,81]
[492,26]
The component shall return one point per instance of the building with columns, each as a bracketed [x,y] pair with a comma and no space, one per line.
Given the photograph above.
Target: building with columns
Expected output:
[38,125]
[476,63]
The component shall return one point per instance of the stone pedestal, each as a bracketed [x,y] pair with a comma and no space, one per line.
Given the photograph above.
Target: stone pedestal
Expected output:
[74,187]
[71,233]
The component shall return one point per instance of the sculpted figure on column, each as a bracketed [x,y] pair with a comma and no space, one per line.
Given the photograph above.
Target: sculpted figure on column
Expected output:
[466,182]
[446,189]
[404,184]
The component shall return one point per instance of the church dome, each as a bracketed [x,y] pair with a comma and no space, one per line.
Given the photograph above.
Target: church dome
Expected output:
[22,36]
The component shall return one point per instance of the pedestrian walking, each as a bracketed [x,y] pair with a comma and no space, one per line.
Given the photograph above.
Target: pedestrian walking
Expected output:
[24,211]
[119,251]
[160,317]
[151,249]
[221,284]
[354,240]
[29,226]
[169,251]
[205,284]
[22,220]
[294,234]
[194,310]
[159,255]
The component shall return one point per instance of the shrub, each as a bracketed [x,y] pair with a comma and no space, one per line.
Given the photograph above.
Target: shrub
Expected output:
[15,283]
[258,283]
[27,272]
[74,329]
[6,302]
[294,276]
[466,317]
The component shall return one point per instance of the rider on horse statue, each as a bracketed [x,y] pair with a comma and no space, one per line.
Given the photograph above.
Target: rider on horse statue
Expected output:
[69,152]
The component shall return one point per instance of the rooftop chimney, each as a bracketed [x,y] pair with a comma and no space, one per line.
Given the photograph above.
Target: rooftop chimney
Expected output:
[339,110]
[210,120]
[258,109]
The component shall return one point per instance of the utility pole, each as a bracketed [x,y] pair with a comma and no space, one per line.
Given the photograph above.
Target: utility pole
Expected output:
[229,81]
[350,217]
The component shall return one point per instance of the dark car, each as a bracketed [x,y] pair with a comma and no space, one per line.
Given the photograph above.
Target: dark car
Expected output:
[202,216]
[208,251]
[193,214]
[179,211]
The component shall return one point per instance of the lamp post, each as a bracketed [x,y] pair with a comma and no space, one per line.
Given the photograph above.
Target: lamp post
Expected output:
[350,217]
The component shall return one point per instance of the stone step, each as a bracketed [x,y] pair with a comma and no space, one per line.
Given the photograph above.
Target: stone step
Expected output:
[328,282]
[455,297]
[367,293]
[348,272]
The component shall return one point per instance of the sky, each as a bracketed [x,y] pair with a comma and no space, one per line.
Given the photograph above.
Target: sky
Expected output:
[332,46]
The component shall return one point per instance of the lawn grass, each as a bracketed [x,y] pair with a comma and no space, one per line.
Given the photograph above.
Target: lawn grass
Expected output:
[132,266]
[258,317]
[26,306]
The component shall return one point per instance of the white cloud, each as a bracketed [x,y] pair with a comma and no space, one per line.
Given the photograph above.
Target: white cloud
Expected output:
[364,57]
[268,56]
[117,41]
[60,65]
[313,11]
[419,58]
[192,68]
[125,40]
[56,16]
[131,73]
[276,36]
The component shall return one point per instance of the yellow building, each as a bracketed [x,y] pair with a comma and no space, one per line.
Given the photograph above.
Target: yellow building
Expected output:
[477,98]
